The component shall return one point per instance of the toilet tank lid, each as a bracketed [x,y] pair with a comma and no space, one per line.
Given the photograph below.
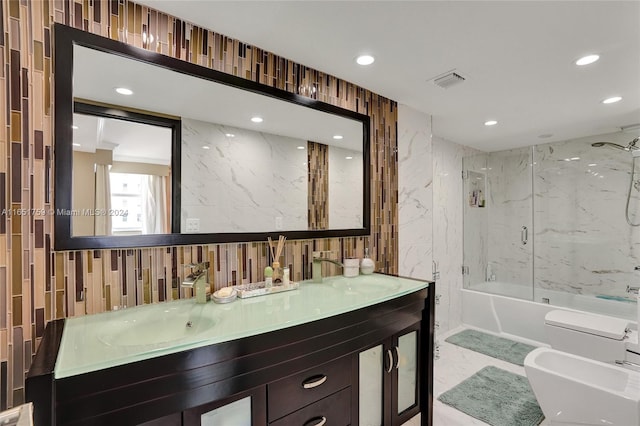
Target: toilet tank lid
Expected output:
[600,325]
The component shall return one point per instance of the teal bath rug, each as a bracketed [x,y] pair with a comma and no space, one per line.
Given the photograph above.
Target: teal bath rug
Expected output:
[497,347]
[497,397]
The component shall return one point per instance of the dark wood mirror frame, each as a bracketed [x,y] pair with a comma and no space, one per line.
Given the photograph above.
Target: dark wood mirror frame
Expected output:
[65,39]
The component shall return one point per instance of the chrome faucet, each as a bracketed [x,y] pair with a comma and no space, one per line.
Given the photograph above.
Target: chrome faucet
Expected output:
[198,280]
[316,268]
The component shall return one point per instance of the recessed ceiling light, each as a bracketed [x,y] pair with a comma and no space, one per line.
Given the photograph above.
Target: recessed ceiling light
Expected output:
[586,60]
[612,100]
[230,135]
[124,91]
[337,137]
[592,165]
[74,127]
[490,123]
[365,59]
[206,147]
[575,158]
[76,144]
[348,158]
[301,147]
[257,119]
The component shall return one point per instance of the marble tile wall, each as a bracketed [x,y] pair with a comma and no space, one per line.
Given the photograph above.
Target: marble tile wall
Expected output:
[447,230]
[583,243]
[38,284]
[475,218]
[415,193]
[248,160]
[345,198]
[430,210]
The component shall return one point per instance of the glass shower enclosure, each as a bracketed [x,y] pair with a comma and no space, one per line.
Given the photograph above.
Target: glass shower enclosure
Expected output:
[547,223]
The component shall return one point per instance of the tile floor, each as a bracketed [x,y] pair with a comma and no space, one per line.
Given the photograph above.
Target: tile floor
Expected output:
[455,365]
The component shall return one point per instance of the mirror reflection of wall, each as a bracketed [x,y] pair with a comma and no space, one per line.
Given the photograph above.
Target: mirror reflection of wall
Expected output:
[121,177]
[241,180]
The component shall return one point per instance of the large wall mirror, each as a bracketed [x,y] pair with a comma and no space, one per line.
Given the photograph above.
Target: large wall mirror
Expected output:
[152,150]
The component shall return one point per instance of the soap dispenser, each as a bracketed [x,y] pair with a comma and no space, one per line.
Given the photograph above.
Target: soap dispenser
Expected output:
[367,265]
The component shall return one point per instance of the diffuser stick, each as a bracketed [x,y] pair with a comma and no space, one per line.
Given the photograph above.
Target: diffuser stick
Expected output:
[271,249]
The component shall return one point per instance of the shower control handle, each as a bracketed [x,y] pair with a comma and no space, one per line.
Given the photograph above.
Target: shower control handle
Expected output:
[524,235]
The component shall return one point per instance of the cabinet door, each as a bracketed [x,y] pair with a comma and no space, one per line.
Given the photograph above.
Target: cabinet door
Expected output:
[405,389]
[244,409]
[371,386]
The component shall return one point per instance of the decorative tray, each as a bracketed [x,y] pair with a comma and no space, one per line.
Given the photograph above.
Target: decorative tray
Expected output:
[258,289]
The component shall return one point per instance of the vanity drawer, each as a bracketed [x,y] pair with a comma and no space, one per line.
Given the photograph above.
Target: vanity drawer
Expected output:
[334,410]
[291,393]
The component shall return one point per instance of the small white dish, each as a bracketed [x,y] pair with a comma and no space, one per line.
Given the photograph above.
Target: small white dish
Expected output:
[217,298]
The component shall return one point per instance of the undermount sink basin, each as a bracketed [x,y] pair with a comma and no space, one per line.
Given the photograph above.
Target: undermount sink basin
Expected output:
[369,287]
[156,328]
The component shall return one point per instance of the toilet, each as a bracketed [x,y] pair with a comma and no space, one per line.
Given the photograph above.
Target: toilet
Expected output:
[574,390]
[593,336]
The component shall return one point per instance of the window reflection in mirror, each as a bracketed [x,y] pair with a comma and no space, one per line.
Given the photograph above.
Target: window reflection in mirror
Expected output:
[121,177]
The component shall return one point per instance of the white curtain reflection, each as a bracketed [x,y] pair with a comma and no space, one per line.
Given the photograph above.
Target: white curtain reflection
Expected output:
[102,222]
[154,211]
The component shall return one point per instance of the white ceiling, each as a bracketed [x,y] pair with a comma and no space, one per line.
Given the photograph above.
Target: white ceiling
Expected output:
[518,58]
[129,141]
[199,99]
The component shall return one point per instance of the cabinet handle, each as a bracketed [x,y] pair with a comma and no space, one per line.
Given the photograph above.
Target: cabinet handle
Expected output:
[320,421]
[524,235]
[314,381]
[397,356]
[390,358]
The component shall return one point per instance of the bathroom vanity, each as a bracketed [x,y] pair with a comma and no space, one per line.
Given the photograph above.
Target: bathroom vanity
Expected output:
[346,351]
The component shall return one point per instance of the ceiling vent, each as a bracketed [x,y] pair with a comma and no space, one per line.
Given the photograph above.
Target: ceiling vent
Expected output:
[449,79]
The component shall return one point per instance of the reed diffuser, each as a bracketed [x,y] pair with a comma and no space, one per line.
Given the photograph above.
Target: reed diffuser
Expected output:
[275,257]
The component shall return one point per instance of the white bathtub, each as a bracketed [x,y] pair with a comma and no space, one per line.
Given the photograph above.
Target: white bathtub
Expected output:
[484,306]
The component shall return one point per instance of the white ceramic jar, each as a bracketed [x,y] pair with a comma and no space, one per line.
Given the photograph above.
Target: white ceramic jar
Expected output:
[351,267]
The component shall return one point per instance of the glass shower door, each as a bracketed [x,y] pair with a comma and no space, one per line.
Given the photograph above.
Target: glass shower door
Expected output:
[498,222]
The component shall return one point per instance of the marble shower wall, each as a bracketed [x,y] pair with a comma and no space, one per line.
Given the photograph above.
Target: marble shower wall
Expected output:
[475,219]
[415,197]
[38,284]
[579,239]
[447,228]
[510,204]
[583,243]
[218,189]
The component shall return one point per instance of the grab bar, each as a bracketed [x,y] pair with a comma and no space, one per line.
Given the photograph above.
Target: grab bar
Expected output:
[524,235]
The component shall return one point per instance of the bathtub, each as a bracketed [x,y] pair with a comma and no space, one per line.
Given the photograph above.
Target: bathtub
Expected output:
[508,309]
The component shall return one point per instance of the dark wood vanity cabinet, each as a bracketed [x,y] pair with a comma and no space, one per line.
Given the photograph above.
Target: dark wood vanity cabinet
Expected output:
[303,375]
[316,393]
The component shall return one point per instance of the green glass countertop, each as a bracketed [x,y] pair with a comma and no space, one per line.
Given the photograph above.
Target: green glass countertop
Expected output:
[95,342]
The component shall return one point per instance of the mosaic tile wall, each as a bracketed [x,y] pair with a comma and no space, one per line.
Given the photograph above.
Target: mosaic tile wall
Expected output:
[37,284]
[318,185]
